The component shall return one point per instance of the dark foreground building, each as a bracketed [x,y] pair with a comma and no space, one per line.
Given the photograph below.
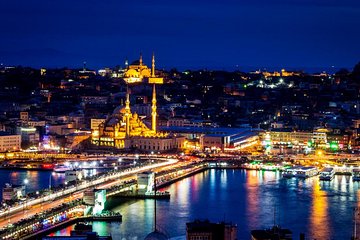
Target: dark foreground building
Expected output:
[205,230]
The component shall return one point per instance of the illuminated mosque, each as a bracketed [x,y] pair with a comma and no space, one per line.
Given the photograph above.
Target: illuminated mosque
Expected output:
[125,130]
[138,71]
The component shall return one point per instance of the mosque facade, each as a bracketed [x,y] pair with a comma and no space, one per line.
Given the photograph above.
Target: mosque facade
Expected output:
[125,130]
[137,72]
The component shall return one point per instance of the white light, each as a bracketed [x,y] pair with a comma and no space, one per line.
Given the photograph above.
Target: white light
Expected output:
[120,159]
[26,181]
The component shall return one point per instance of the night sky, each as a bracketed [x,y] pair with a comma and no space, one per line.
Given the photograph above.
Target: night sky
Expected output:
[227,34]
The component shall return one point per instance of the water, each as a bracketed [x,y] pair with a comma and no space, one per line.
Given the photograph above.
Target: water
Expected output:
[322,210]
[37,179]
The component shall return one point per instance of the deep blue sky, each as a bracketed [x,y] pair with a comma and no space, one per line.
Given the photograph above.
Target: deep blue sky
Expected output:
[183,33]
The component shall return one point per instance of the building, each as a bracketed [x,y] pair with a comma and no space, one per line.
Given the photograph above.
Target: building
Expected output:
[12,192]
[138,71]
[125,130]
[95,199]
[145,182]
[205,230]
[288,136]
[9,142]
[215,138]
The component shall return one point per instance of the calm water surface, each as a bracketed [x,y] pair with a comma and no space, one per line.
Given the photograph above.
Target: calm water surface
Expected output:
[322,210]
[37,179]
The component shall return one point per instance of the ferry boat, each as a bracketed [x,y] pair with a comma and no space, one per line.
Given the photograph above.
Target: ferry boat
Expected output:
[290,172]
[61,168]
[327,174]
[305,172]
[356,174]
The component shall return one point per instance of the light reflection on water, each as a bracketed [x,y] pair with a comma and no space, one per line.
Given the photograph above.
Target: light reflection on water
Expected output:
[322,210]
[37,179]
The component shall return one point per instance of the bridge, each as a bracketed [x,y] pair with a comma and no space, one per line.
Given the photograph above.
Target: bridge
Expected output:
[25,210]
[57,214]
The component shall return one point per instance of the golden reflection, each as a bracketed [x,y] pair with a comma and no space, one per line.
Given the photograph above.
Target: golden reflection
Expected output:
[252,196]
[182,188]
[319,218]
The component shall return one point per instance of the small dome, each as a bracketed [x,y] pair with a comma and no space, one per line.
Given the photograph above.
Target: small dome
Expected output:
[119,110]
[156,235]
[123,110]
[135,115]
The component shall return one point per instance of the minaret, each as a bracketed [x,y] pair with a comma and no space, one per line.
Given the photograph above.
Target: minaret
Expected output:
[127,113]
[126,63]
[153,66]
[153,108]
[140,60]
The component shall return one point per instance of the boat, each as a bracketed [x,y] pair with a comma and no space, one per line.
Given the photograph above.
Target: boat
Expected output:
[356,174]
[305,172]
[61,168]
[276,232]
[290,172]
[81,228]
[327,174]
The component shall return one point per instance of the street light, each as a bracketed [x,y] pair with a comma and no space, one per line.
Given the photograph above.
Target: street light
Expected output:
[26,182]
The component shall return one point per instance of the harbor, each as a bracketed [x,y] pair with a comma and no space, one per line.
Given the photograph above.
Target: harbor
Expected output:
[167,178]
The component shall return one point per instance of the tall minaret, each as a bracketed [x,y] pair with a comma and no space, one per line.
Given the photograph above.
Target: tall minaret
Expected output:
[153,66]
[140,60]
[153,108]
[127,113]
[126,63]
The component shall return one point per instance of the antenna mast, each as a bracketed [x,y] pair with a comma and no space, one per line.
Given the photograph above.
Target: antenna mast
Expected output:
[155,202]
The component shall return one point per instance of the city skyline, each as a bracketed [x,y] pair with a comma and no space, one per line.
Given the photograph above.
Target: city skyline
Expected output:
[229,35]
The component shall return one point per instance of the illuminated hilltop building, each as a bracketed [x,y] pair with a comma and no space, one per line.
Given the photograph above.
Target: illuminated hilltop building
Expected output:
[125,130]
[138,72]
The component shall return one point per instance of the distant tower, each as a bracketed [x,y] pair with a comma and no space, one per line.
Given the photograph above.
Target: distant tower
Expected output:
[84,67]
[127,113]
[126,63]
[140,60]
[153,66]
[153,108]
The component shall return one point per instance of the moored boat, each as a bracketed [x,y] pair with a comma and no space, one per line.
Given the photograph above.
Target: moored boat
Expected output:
[305,172]
[290,172]
[327,174]
[61,168]
[356,174]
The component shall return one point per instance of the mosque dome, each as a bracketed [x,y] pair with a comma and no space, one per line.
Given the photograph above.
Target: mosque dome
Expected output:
[135,63]
[119,110]
[156,235]
[135,116]
[123,110]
